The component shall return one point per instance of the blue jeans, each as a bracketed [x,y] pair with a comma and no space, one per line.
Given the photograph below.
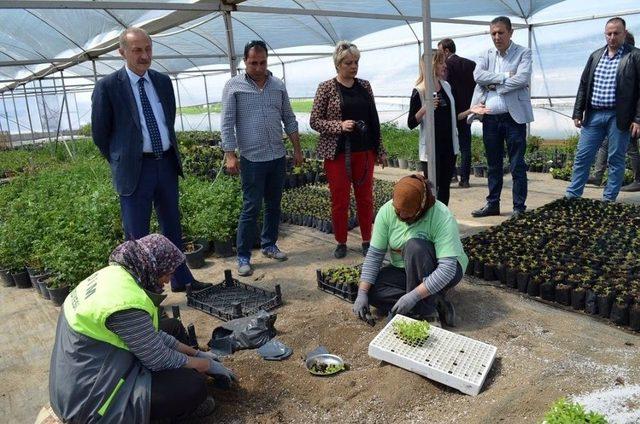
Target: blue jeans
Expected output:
[260,181]
[157,188]
[601,124]
[464,139]
[496,129]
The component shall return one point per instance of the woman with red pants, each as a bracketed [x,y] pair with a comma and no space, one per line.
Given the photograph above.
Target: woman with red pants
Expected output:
[344,113]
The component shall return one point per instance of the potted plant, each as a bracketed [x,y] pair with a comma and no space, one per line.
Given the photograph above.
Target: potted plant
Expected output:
[194,254]
[58,289]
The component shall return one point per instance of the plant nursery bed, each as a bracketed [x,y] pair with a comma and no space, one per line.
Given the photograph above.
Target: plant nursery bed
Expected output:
[232,299]
[340,281]
[578,253]
[448,358]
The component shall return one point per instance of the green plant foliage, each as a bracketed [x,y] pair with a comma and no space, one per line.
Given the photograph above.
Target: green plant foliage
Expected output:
[188,139]
[85,130]
[411,332]
[202,160]
[565,412]
[349,275]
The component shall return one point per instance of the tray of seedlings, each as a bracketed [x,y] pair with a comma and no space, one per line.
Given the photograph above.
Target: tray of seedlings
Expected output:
[232,299]
[578,253]
[340,281]
[440,355]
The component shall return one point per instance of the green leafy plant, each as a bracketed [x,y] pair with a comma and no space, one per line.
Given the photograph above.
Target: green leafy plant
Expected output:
[565,412]
[411,332]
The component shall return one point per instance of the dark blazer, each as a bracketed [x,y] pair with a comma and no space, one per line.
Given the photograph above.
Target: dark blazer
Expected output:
[116,130]
[627,88]
[460,77]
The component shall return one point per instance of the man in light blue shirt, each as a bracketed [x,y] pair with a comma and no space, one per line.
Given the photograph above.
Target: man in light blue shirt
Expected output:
[502,76]
[254,108]
[132,117]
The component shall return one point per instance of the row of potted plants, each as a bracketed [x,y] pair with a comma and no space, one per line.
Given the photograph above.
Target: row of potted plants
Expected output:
[576,252]
[341,281]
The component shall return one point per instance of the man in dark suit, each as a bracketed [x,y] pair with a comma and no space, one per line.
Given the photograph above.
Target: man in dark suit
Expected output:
[460,76]
[132,118]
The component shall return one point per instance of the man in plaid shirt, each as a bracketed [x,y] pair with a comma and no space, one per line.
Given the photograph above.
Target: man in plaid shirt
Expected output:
[607,106]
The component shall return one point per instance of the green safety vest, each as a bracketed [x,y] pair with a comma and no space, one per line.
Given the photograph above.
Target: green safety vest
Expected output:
[105,292]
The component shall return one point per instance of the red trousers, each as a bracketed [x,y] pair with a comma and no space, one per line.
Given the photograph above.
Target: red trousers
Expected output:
[362,164]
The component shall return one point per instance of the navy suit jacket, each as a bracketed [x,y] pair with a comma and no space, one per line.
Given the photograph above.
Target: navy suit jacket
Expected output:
[116,130]
[460,77]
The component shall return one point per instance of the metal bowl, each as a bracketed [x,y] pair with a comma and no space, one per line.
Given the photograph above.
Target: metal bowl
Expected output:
[324,359]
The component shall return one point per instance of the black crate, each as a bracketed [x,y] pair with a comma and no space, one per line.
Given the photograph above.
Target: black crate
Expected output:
[232,299]
[349,294]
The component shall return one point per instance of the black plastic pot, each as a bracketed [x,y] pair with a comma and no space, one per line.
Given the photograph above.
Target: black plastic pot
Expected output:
[42,286]
[563,294]
[223,248]
[604,305]
[619,313]
[591,302]
[522,279]
[470,267]
[6,279]
[489,272]
[548,291]
[206,245]
[512,278]
[478,269]
[578,298]
[533,288]
[634,317]
[22,279]
[195,259]
[501,273]
[58,295]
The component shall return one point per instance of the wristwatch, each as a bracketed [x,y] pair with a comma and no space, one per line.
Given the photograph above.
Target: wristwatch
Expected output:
[491,87]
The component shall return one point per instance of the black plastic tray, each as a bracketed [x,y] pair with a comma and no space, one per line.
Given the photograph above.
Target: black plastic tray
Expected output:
[232,299]
[349,294]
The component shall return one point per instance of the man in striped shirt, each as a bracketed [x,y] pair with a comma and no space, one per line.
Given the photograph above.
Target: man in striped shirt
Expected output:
[607,106]
[254,107]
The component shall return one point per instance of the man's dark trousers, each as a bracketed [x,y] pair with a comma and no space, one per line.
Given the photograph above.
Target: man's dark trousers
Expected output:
[260,181]
[464,139]
[157,187]
[496,129]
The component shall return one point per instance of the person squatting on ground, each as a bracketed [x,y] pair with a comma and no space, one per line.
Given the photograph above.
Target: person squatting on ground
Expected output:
[344,113]
[607,105]
[460,76]
[502,77]
[133,111]
[254,106]
[427,257]
[112,362]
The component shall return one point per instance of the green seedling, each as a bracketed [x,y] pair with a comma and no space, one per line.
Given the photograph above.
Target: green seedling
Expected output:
[411,332]
[326,369]
[564,412]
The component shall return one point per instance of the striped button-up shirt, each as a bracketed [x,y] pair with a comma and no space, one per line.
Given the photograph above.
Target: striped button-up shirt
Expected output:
[604,80]
[252,118]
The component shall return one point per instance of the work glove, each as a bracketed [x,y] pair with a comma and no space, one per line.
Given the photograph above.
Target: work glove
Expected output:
[220,372]
[207,355]
[361,305]
[405,304]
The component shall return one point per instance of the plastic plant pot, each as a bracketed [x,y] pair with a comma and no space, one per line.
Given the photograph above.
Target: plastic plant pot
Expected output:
[42,286]
[591,302]
[619,313]
[223,248]
[6,279]
[58,294]
[522,279]
[195,259]
[22,280]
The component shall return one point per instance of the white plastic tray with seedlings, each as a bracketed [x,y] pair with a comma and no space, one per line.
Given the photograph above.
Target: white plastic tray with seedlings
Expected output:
[440,355]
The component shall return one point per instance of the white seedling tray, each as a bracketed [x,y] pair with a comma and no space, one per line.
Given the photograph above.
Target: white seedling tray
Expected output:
[448,358]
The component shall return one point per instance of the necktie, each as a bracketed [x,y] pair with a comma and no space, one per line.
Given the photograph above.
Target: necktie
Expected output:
[150,119]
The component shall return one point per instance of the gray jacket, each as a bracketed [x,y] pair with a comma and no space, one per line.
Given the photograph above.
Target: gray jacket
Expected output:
[83,374]
[514,89]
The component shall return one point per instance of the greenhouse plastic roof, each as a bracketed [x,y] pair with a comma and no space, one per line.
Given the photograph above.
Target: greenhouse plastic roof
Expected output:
[38,38]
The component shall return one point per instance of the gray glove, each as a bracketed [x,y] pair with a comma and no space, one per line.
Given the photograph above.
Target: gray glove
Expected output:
[207,355]
[219,371]
[405,304]
[361,304]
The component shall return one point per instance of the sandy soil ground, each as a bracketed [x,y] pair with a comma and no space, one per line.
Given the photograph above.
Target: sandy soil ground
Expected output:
[543,352]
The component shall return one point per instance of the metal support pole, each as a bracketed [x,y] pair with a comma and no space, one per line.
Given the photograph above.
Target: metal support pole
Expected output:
[35,95]
[231,49]
[284,76]
[529,44]
[206,95]
[6,117]
[428,119]
[66,100]
[44,107]
[15,111]
[95,74]
[179,103]
[75,101]
[26,100]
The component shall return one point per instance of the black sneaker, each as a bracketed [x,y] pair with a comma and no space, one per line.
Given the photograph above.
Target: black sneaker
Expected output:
[341,251]
[365,248]
[446,312]
[203,410]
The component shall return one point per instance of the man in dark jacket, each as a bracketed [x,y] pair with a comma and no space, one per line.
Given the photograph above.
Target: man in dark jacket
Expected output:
[460,76]
[607,105]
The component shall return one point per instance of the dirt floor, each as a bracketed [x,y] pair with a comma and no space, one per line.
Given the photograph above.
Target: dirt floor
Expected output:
[543,352]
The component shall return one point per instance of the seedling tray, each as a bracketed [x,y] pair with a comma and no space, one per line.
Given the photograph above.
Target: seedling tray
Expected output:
[349,294]
[232,299]
[448,358]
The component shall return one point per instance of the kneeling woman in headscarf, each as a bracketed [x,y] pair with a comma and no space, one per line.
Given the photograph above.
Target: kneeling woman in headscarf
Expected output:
[110,362]
[427,257]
